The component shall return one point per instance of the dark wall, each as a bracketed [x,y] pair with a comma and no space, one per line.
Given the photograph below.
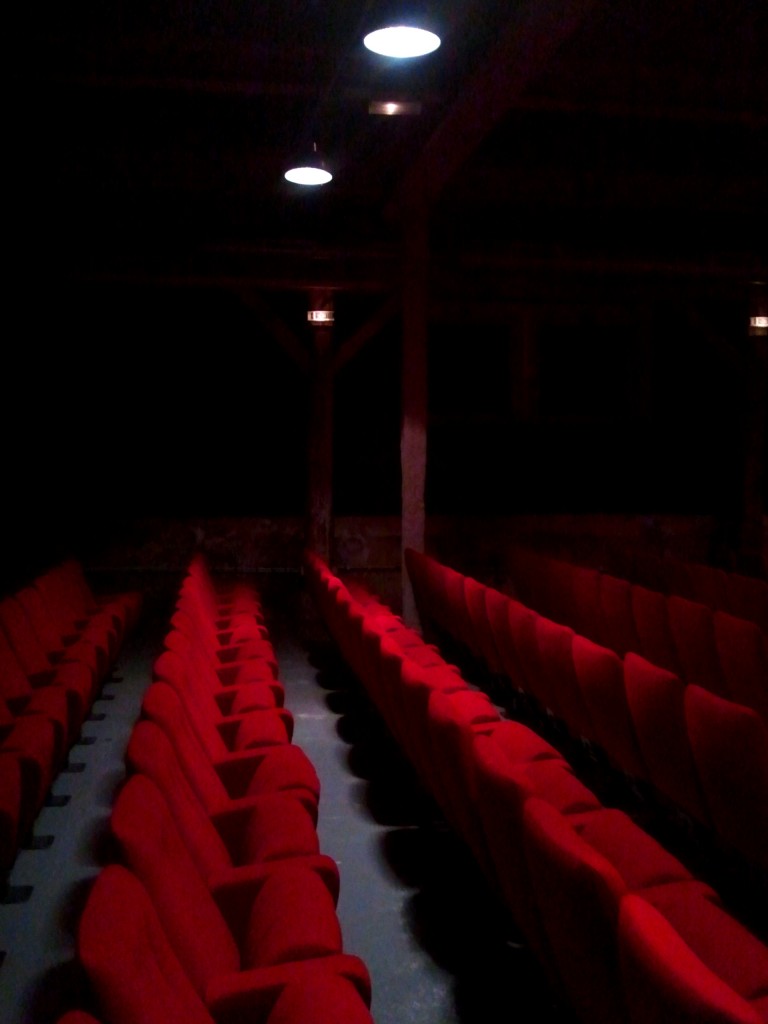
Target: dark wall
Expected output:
[121,403]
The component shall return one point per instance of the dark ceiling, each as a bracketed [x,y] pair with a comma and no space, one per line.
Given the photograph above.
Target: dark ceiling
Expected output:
[150,138]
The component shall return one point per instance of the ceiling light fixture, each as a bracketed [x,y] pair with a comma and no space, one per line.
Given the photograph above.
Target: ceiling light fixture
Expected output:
[758,313]
[310,171]
[392,108]
[402,41]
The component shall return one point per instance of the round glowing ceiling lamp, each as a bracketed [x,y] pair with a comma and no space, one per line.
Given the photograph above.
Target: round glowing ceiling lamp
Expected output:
[402,41]
[311,171]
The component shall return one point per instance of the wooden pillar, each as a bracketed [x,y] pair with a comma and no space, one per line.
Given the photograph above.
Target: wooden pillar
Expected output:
[752,553]
[413,434]
[320,442]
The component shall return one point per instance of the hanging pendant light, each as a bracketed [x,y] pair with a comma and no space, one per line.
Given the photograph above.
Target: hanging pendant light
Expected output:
[311,170]
[401,29]
[402,41]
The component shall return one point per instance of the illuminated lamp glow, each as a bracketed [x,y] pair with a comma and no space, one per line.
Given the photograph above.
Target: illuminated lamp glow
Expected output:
[401,41]
[308,176]
[320,316]
[759,321]
[392,108]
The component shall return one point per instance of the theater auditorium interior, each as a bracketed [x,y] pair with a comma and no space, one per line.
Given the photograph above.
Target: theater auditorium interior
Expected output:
[384,562]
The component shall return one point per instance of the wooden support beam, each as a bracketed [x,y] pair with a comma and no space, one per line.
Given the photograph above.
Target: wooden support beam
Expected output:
[320,440]
[753,553]
[535,32]
[277,327]
[413,436]
[357,341]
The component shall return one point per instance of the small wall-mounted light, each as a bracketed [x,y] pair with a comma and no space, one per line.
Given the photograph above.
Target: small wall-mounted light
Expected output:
[758,310]
[394,108]
[320,316]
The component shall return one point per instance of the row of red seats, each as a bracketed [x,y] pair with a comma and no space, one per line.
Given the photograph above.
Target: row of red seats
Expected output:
[221,908]
[724,653]
[743,596]
[703,754]
[621,926]
[58,644]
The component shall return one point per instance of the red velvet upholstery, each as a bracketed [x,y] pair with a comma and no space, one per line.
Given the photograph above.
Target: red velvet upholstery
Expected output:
[707,585]
[563,863]
[271,826]
[132,968]
[286,910]
[663,980]
[600,676]
[218,780]
[500,608]
[748,598]
[232,645]
[578,892]
[730,749]
[329,998]
[454,719]
[641,862]
[476,596]
[656,702]
[617,622]
[91,645]
[655,638]
[693,631]
[32,740]
[186,674]
[717,939]
[220,717]
[19,644]
[742,649]
[125,606]
[28,647]
[555,643]
[583,600]
[51,700]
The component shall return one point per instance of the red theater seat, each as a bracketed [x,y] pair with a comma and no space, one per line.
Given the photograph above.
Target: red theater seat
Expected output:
[50,700]
[267,827]
[32,740]
[479,629]
[558,678]
[730,749]
[66,589]
[262,916]
[692,628]
[742,649]
[218,780]
[656,699]
[651,615]
[187,676]
[748,598]
[578,892]
[76,677]
[600,675]
[499,612]
[138,979]
[663,980]
[93,645]
[617,622]
[583,600]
